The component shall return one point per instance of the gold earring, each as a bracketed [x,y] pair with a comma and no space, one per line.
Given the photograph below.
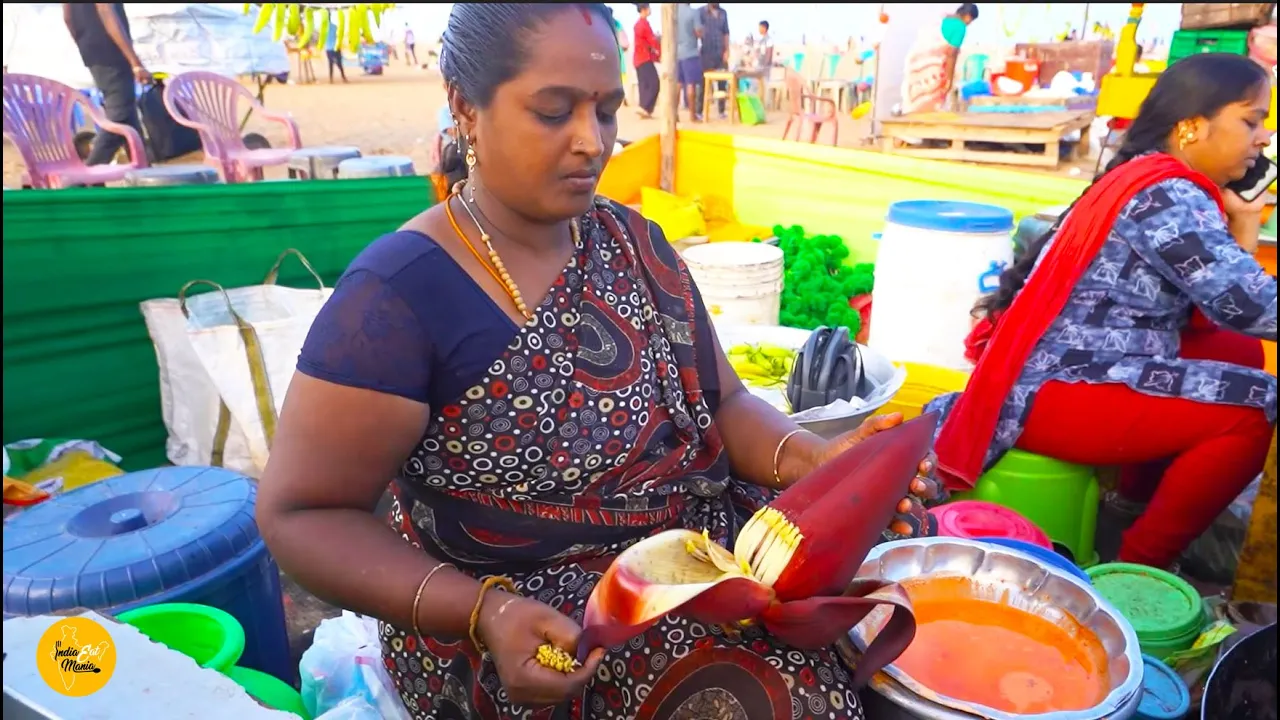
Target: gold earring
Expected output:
[1186,137]
[471,156]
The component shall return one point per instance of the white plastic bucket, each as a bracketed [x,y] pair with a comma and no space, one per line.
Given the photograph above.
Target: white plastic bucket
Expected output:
[935,260]
[740,282]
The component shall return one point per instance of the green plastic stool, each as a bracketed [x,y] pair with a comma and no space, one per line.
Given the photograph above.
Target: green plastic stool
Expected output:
[750,110]
[1059,497]
[975,68]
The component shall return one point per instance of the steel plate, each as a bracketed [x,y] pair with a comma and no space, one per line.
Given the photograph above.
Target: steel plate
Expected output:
[1021,581]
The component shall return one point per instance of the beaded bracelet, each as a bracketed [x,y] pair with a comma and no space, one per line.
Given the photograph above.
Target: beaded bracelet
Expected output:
[497,581]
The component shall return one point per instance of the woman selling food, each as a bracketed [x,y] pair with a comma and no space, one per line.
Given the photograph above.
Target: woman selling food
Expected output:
[1096,349]
[931,62]
[532,370]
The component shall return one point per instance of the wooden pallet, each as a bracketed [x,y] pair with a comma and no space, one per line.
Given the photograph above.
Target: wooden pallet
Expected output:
[961,130]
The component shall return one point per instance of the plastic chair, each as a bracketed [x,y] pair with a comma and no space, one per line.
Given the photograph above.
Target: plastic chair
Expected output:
[1059,497]
[208,103]
[804,109]
[39,120]
[840,85]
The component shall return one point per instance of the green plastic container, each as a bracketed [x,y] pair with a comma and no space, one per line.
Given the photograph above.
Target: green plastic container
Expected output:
[1166,612]
[1059,497]
[269,690]
[1186,43]
[211,637]
[975,68]
[750,109]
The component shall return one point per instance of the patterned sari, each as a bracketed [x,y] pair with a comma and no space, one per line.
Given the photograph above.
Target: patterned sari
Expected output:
[594,429]
[930,71]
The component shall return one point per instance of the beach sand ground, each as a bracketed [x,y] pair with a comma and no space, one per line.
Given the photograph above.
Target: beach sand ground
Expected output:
[395,114]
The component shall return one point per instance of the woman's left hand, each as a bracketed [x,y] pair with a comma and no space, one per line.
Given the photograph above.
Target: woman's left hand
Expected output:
[912,519]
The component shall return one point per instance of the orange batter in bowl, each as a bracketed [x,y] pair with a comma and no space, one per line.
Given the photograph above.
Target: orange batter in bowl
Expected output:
[991,654]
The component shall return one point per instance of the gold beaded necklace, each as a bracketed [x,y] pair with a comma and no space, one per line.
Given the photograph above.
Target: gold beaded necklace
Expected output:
[495,267]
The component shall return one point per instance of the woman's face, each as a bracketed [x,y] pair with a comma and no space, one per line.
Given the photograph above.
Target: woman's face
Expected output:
[1231,141]
[544,140]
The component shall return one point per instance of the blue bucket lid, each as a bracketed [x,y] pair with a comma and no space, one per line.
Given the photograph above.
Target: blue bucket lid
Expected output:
[1049,557]
[1164,694]
[126,538]
[948,216]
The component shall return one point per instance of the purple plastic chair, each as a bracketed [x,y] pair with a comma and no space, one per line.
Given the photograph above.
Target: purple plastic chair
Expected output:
[38,121]
[208,103]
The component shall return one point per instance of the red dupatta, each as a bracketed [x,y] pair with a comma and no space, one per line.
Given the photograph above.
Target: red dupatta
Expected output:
[965,438]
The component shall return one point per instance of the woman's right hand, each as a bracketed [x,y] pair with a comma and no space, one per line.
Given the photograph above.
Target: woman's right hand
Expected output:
[513,628]
[1236,206]
[1244,219]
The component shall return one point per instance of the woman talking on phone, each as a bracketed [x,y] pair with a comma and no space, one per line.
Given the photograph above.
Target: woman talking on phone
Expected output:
[1128,334]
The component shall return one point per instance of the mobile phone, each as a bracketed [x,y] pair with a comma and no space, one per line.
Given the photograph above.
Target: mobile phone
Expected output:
[1257,180]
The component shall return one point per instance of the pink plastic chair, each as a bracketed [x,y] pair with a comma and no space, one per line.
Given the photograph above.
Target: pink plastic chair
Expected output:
[38,121]
[805,108]
[209,104]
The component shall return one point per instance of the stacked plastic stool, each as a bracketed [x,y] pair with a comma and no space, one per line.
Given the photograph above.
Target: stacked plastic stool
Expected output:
[1059,497]
[320,163]
[376,166]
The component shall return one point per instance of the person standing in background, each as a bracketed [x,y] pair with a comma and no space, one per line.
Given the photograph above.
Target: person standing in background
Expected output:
[334,55]
[688,59]
[715,46]
[764,47]
[101,33]
[410,47]
[931,64]
[645,57]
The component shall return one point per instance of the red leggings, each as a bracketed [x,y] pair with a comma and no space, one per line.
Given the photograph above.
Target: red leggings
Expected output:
[1189,459]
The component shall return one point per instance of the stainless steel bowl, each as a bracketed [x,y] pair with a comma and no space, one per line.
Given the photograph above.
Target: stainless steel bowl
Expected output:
[1022,582]
[895,702]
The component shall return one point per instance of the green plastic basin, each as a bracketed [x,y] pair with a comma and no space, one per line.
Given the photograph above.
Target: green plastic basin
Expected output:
[211,637]
[1165,611]
[269,690]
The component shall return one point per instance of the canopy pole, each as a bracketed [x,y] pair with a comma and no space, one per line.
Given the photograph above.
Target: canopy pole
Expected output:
[668,99]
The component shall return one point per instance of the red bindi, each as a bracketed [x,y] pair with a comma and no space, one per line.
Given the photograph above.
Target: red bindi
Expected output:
[586,14]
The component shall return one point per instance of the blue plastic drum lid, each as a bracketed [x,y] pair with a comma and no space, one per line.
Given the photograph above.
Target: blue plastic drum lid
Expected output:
[126,539]
[951,217]
[1164,695]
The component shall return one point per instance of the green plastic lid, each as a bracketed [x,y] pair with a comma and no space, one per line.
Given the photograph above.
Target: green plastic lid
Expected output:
[1160,606]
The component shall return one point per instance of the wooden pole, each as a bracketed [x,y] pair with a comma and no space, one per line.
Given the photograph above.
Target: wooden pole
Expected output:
[668,98]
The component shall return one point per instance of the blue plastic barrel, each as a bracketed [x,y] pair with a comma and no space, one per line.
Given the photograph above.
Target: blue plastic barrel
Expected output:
[173,534]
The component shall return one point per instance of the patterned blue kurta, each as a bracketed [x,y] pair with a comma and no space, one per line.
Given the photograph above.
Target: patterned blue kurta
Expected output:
[1168,251]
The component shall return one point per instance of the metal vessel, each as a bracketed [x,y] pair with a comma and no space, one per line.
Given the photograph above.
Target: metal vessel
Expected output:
[1018,579]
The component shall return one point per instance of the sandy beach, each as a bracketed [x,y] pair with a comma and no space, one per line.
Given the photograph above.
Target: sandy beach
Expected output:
[395,114]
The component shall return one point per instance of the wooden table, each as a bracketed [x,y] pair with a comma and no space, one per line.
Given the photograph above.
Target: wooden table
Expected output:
[732,77]
[960,130]
[1079,103]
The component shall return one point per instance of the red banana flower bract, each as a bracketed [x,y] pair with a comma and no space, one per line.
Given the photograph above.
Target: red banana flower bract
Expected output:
[792,566]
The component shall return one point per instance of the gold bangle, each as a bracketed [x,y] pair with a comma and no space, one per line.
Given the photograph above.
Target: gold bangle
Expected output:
[777,454]
[417,598]
[489,583]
